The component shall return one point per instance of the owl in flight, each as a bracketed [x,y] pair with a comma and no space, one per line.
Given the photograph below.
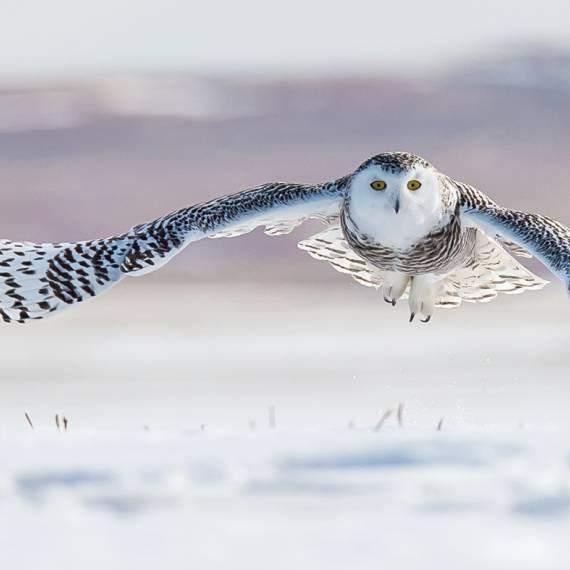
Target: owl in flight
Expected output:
[395,223]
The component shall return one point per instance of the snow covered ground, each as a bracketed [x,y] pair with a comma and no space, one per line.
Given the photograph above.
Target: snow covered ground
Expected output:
[170,458]
[284,500]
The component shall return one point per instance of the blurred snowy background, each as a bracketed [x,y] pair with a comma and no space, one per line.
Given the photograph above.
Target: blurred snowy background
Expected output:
[226,411]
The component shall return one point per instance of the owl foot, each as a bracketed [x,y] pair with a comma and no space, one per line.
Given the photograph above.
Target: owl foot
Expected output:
[413,316]
[422,297]
[395,285]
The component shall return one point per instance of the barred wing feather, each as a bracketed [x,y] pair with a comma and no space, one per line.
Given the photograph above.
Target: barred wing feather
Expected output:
[37,280]
[544,238]
[492,270]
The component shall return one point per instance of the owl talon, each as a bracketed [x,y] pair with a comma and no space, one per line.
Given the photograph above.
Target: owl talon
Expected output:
[389,298]
[394,287]
[422,297]
[412,316]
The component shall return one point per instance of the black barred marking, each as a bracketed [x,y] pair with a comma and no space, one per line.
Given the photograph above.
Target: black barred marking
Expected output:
[89,290]
[544,237]
[395,162]
[162,238]
[43,279]
[440,251]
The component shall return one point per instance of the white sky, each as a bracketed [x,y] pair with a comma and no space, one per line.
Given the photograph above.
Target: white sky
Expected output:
[67,37]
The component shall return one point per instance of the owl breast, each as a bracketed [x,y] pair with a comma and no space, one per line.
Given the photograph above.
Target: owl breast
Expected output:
[438,251]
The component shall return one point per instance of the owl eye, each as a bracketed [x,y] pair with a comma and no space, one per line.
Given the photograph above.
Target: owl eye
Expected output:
[414,184]
[378,185]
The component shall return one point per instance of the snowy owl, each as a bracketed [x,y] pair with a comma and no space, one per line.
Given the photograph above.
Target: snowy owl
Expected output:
[395,223]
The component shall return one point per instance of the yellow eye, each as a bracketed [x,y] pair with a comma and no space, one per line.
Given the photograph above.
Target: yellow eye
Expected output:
[414,184]
[378,185]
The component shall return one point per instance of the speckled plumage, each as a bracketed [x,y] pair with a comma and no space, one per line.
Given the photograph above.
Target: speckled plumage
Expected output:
[543,237]
[462,251]
[37,280]
[395,162]
[229,216]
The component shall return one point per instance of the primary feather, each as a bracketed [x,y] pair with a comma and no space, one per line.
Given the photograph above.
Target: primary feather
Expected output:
[37,280]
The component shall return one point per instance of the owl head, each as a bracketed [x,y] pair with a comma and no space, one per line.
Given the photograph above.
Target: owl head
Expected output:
[395,198]
[396,183]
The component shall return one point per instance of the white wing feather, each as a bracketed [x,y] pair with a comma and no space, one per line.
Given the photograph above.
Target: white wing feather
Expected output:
[492,271]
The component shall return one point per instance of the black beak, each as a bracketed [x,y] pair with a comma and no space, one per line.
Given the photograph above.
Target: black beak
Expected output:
[397,205]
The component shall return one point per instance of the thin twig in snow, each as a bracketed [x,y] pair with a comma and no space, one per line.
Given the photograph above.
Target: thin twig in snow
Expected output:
[401,414]
[29,420]
[381,421]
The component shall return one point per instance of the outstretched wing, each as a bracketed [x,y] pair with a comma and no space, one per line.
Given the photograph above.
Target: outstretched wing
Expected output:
[279,207]
[546,239]
[37,280]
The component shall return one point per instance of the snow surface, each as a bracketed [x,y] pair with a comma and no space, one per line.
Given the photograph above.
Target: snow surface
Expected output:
[169,459]
[406,499]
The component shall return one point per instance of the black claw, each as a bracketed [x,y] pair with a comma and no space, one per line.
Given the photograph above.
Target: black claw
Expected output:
[427,319]
[412,316]
[390,301]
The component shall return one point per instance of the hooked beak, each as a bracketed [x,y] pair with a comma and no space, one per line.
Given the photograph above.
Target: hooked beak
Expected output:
[397,205]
